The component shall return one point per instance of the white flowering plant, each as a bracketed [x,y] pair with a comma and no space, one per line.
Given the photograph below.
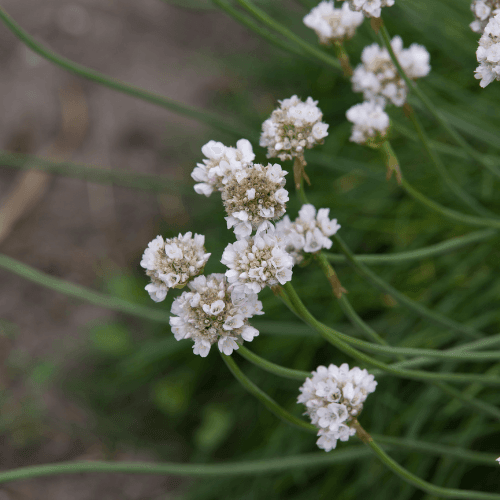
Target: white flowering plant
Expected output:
[275,264]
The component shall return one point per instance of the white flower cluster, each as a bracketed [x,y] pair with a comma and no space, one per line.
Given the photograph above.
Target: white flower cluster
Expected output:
[207,314]
[293,127]
[309,232]
[252,195]
[221,162]
[370,8]
[257,262]
[333,397]
[488,53]
[483,11]
[378,78]
[331,24]
[371,122]
[173,262]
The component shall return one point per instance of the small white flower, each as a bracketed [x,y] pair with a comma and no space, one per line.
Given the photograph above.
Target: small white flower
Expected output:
[331,24]
[498,460]
[252,199]
[220,162]
[250,262]
[334,396]
[310,232]
[289,130]
[208,314]
[483,11]
[378,78]
[370,8]
[371,122]
[488,53]
[173,262]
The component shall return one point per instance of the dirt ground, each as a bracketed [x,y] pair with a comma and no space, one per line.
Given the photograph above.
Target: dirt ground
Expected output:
[67,227]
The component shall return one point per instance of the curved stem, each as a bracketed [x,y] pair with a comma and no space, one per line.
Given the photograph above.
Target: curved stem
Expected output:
[133,180]
[421,253]
[466,198]
[82,293]
[211,119]
[267,35]
[469,220]
[282,30]
[270,367]
[401,298]
[333,337]
[386,40]
[266,400]
[411,478]
[251,467]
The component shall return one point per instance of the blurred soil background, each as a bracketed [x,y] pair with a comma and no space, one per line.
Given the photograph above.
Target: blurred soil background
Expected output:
[80,231]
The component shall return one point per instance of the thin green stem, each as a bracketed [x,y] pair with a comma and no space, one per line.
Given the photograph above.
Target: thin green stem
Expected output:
[401,298]
[468,400]
[334,338]
[131,180]
[270,367]
[253,26]
[391,162]
[470,220]
[411,478]
[82,293]
[251,467]
[466,198]
[282,30]
[266,400]
[386,40]
[421,253]
[483,343]
[222,124]
[337,288]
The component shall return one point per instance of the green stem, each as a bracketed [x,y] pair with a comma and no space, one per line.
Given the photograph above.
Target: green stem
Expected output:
[424,485]
[334,338]
[266,400]
[470,201]
[331,275]
[391,162]
[267,35]
[464,398]
[469,220]
[421,253]
[82,293]
[343,58]
[252,467]
[385,37]
[222,124]
[270,367]
[131,180]
[282,30]
[401,298]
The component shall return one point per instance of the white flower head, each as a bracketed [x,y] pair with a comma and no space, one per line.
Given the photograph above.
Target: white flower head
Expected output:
[292,128]
[220,162]
[378,78]
[331,24]
[488,53]
[207,314]
[257,262]
[371,122]
[483,11]
[257,196]
[171,263]
[310,232]
[334,396]
[370,8]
